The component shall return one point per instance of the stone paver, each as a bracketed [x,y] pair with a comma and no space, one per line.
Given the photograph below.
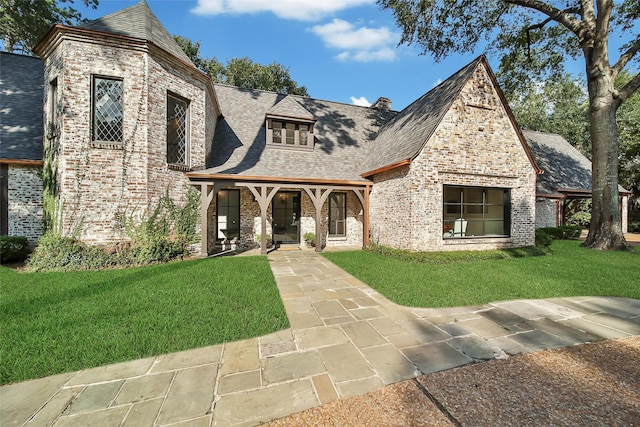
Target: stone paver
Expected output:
[345,339]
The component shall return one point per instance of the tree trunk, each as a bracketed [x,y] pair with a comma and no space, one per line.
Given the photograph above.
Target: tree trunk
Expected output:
[605,230]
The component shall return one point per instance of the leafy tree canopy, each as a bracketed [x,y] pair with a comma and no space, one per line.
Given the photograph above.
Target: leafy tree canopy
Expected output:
[243,72]
[24,22]
[535,38]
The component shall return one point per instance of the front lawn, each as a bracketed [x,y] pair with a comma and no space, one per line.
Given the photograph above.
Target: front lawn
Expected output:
[61,322]
[449,282]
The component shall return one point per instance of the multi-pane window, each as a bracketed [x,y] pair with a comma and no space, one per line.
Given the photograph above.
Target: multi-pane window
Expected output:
[107,109]
[337,214]
[228,214]
[476,212]
[289,134]
[177,130]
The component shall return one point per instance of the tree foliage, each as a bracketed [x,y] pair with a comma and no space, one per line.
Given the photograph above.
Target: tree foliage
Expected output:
[555,106]
[243,72]
[628,120]
[535,37]
[24,22]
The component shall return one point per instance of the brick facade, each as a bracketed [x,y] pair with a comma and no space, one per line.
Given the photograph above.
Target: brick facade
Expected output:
[25,201]
[100,183]
[475,144]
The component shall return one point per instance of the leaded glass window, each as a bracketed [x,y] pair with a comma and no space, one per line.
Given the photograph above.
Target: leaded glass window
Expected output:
[177,130]
[107,109]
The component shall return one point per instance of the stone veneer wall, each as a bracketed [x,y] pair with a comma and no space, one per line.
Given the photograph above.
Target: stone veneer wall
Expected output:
[25,202]
[474,145]
[98,182]
[547,213]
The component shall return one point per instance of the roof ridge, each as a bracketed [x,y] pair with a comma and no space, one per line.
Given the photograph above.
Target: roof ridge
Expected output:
[138,21]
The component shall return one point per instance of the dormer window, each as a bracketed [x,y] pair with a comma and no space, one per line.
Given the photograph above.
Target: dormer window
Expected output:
[289,133]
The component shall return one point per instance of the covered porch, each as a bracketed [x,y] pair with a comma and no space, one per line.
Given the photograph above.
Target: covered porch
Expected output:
[314,194]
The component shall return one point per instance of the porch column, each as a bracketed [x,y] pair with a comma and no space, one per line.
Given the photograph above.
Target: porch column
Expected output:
[365,217]
[318,197]
[263,198]
[206,197]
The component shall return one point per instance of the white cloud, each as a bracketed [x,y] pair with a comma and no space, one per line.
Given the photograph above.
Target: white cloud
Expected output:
[437,82]
[361,44]
[362,101]
[303,10]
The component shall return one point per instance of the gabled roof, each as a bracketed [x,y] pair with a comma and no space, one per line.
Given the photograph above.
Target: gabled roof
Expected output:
[403,137]
[138,21]
[566,170]
[342,134]
[291,108]
[21,121]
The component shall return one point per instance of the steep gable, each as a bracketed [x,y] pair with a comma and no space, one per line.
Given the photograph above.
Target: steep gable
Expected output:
[403,138]
[290,108]
[138,21]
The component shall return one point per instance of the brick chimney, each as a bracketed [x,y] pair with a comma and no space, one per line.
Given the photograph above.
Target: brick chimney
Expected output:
[382,104]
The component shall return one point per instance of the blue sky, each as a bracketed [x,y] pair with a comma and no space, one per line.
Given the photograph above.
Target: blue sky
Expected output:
[341,50]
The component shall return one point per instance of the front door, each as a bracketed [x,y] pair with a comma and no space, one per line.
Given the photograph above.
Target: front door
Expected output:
[286,217]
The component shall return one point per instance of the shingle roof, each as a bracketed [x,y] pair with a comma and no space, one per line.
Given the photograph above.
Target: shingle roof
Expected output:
[342,134]
[565,168]
[403,137]
[21,122]
[138,21]
[289,107]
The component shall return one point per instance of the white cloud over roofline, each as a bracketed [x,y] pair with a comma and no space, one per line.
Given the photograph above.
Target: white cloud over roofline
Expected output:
[362,44]
[302,10]
[362,101]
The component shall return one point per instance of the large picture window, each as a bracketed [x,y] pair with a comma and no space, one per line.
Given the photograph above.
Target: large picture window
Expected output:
[107,109]
[228,214]
[177,130]
[476,212]
[338,214]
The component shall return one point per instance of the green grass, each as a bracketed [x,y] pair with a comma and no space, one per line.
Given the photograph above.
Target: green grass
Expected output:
[61,322]
[448,281]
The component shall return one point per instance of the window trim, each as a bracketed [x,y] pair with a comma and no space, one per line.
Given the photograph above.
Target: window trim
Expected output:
[296,142]
[228,190]
[463,209]
[94,140]
[187,133]
[344,212]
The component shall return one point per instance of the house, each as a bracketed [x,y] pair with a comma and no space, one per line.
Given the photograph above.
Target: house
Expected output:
[129,118]
[21,132]
[566,177]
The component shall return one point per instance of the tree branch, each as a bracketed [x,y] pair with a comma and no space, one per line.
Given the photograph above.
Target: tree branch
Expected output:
[572,24]
[629,88]
[626,57]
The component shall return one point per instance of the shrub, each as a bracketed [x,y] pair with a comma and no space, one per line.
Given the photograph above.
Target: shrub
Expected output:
[543,239]
[310,238]
[14,248]
[56,253]
[571,231]
[455,256]
[634,227]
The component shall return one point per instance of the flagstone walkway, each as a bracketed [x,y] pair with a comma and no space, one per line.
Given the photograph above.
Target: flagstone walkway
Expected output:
[345,339]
